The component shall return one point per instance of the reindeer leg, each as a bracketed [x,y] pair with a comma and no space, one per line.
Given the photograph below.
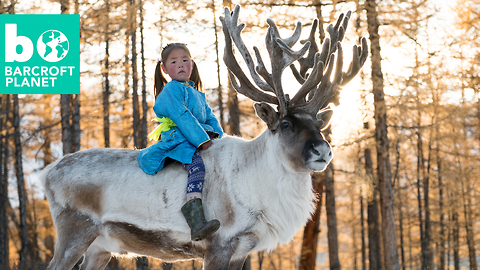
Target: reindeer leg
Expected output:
[218,256]
[76,232]
[237,264]
[96,258]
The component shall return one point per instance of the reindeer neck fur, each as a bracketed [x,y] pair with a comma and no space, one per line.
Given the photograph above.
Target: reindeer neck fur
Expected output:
[259,181]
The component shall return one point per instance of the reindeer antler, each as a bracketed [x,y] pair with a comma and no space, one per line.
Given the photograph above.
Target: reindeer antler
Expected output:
[317,83]
[280,53]
[321,95]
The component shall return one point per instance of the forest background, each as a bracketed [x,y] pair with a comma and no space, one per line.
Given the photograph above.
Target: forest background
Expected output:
[415,174]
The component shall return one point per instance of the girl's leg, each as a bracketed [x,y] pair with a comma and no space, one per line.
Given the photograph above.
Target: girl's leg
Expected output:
[196,177]
[193,209]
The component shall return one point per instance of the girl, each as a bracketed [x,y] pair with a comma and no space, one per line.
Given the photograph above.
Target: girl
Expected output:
[187,126]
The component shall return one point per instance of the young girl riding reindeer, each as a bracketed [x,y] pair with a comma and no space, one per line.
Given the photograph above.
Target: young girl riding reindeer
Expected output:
[187,127]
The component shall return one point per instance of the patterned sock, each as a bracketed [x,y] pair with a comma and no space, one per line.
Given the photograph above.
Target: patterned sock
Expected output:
[196,177]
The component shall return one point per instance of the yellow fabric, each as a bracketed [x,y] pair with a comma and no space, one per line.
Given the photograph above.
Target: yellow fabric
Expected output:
[165,125]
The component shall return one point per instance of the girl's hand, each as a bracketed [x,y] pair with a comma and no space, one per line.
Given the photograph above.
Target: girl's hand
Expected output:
[206,145]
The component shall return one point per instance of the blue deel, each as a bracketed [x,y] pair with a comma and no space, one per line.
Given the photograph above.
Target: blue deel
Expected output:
[188,109]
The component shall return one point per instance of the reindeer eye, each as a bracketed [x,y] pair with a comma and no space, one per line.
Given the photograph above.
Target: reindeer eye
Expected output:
[285,125]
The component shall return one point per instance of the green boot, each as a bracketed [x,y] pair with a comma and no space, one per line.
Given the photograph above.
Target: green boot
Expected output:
[200,228]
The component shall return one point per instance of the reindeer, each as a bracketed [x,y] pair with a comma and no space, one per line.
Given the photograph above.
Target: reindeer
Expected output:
[102,203]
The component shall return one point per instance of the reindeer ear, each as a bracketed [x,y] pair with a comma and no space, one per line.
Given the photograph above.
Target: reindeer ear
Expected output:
[325,116]
[268,114]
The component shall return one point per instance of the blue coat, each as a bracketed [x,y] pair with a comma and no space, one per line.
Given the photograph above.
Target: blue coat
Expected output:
[188,109]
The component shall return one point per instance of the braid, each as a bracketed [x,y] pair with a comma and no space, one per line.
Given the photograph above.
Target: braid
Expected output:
[195,77]
[160,80]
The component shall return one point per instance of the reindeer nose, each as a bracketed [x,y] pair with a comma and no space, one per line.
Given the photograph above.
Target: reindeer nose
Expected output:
[314,150]
[320,148]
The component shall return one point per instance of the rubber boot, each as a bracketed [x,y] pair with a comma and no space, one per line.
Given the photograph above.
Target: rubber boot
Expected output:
[200,228]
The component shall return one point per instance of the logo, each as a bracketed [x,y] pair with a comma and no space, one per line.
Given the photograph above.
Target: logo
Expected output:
[52,46]
[40,54]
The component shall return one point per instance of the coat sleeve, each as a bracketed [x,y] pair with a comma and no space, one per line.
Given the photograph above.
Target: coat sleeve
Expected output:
[171,103]
[213,121]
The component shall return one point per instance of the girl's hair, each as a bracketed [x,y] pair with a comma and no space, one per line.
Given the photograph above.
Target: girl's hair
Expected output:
[160,80]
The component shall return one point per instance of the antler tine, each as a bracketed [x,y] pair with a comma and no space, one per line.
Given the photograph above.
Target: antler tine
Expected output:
[319,97]
[337,32]
[235,71]
[230,21]
[282,56]
[360,54]
[326,92]
[261,68]
[308,61]
[310,83]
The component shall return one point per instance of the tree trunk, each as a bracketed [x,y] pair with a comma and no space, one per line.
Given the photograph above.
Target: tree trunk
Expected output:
[233,111]
[373,219]
[66,123]
[419,199]
[135,104]
[261,257]
[126,122]
[76,124]
[354,230]
[400,229]
[383,162]
[217,60]
[400,224]
[47,126]
[331,218]
[441,240]
[106,86]
[232,100]
[32,220]
[428,228]
[362,233]
[167,266]
[65,103]
[4,247]
[22,197]
[456,241]
[308,253]
[143,125]
[142,263]
[467,212]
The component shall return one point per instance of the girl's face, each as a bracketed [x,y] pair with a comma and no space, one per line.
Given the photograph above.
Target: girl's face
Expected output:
[178,65]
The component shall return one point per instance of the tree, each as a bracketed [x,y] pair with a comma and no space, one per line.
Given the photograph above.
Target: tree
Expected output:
[383,162]
[217,61]
[308,253]
[22,196]
[106,80]
[330,209]
[143,122]
[135,102]
[374,255]
[4,244]
[70,124]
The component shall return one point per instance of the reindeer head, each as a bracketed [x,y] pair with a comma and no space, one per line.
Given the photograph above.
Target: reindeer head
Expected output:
[297,122]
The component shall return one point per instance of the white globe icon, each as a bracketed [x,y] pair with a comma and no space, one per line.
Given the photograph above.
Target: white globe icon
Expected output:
[52,45]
